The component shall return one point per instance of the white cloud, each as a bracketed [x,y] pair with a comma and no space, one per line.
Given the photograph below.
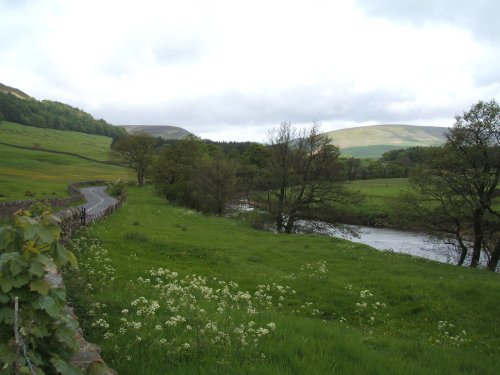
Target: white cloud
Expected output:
[236,68]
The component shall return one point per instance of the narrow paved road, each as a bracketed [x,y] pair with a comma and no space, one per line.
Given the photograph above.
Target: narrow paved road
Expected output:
[97,199]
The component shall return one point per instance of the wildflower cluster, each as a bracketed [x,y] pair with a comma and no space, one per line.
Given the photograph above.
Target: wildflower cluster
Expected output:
[94,262]
[316,270]
[195,315]
[449,334]
[368,311]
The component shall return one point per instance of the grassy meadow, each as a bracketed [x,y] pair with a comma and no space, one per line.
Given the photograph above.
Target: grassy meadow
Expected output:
[28,174]
[380,206]
[89,145]
[165,290]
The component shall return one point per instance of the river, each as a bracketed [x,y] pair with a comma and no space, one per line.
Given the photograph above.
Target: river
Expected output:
[400,241]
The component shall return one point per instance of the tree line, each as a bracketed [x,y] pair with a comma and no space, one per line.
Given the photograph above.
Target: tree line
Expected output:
[54,115]
[294,177]
[298,176]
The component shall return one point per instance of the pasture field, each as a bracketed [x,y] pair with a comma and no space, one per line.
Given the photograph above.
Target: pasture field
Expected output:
[380,206]
[27,174]
[165,290]
[89,145]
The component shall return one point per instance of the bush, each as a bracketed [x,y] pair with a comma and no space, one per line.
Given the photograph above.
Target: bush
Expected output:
[36,335]
[117,189]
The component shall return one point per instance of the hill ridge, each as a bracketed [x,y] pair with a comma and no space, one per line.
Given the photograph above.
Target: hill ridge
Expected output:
[373,140]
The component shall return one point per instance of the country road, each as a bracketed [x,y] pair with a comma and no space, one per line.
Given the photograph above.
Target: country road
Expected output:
[97,199]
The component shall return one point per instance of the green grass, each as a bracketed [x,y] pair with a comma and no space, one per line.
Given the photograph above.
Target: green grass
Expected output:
[88,145]
[27,174]
[147,234]
[364,152]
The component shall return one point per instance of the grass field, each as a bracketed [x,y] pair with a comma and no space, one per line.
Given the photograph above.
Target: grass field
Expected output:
[380,206]
[27,174]
[89,145]
[238,301]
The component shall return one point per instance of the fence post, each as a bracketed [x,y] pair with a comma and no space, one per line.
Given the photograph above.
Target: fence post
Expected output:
[83,216]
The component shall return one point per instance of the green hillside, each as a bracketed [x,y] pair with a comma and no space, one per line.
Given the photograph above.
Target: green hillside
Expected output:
[165,290]
[13,91]
[163,131]
[26,174]
[88,145]
[373,141]
[30,173]
[16,106]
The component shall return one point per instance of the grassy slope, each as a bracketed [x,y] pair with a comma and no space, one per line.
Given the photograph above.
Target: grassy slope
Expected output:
[47,175]
[89,145]
[163,131]
[147,233]
[373,141]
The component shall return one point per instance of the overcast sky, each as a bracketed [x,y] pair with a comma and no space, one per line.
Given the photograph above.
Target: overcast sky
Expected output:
[230,70]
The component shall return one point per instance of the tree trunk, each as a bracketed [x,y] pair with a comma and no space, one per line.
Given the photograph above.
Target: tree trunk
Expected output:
[464,251]
[478,237]
[495,257]
[140,179]
[463,254]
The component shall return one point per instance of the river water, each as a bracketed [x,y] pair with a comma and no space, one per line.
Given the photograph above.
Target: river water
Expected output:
[399,241]
[412,243]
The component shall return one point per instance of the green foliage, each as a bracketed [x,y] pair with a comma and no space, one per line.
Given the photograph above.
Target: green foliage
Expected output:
[55,115]
[137,152]
[38,334]
[117,189]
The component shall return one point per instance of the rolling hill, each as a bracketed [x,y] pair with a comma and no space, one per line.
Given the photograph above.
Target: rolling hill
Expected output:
[373,141]
[163,131]
[13,91]
[40,163]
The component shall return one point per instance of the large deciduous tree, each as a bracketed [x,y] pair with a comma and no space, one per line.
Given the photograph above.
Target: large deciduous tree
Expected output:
[137,151]
[461,178]
[303,175]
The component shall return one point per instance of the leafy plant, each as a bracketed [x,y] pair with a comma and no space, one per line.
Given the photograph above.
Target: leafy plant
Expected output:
[36,335]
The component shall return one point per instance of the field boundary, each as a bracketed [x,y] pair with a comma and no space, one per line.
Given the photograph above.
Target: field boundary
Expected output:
[107,162]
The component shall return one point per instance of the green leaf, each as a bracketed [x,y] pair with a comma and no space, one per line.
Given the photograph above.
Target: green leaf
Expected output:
[64,367]
[4,298]
[41,286]
[45,235]
[31,232]
[36,269]
[59,254]
[7,315]
[15,268]
[48,305]
[72,259]
[8,257]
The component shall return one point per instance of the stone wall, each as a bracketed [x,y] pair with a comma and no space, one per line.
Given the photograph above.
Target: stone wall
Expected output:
[7,209]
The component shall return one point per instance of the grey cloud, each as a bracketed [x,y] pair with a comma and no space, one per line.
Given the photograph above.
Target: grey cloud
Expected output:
[480,16]
[298,106]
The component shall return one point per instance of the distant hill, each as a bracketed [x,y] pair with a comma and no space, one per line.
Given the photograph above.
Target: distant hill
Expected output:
[373,141]
[163,131]
[18,107]
[13,91]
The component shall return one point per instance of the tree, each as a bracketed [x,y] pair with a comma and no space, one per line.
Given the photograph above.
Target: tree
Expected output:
[137,151]
[215,183]
[461,177]
[174,170]
[303,175]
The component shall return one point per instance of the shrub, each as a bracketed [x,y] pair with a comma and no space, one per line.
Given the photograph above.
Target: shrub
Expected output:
[36,335]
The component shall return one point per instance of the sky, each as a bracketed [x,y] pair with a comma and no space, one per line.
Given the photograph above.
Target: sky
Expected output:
[232,70]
